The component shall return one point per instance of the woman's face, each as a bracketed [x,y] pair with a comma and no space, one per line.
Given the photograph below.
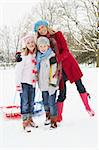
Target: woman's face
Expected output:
[30,44]
[42,30]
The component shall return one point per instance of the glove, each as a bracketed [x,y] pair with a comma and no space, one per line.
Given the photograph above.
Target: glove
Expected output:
[18,57]
[19,88]
[52,60]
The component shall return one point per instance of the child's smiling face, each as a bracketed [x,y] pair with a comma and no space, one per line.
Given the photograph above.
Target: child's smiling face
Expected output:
[43,48]
[30,44]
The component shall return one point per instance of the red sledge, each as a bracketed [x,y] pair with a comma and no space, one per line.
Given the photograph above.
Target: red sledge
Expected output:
[11,112]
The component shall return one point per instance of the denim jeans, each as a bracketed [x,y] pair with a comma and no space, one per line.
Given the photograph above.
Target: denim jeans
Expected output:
[27,99]
[62,93]
[50,103]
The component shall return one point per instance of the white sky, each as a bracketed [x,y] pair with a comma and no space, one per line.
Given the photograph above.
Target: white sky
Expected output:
[11,10]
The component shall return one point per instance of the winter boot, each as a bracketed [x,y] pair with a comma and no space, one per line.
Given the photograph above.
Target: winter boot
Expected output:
[47,121]
[32,124]
[26,126]
[59,111]
[84,97]
[53,122]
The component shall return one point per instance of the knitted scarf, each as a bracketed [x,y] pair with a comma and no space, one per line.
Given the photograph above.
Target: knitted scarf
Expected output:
[41,56]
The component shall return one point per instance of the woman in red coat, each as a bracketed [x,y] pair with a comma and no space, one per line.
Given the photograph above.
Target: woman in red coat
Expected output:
[70,67]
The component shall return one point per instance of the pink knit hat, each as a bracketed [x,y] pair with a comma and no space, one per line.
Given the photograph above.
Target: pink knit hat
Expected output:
[27,38]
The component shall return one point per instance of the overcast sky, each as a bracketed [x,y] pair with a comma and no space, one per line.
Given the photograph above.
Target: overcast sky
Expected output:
[12,10]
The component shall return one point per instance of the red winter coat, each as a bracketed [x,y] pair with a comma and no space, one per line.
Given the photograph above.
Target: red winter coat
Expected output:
[69,64]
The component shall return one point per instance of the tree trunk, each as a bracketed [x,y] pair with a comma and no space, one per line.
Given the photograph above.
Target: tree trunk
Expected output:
[97,58]
[97,51]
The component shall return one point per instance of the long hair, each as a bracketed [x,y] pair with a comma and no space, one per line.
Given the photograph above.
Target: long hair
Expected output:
[50,30]
[25,51]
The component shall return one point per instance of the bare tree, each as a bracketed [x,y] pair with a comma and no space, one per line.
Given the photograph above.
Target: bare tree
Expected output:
[81,19]
[16,37]
[5,38]
[20,30]
[10,40]
[47,11]
[76,19]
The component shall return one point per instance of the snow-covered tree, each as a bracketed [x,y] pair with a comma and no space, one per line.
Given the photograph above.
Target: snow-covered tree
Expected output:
[81,16]
[6,41]
[77,20]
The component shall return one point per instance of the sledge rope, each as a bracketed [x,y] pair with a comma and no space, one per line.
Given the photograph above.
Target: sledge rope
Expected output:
[11,112]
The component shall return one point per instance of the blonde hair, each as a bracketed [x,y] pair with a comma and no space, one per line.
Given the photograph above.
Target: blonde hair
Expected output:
[25,51]
[50,30]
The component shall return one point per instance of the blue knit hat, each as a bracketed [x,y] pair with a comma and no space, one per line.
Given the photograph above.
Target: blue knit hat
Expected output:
[39,23]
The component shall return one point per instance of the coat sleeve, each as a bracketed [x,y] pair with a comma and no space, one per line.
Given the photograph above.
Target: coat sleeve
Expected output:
[18,71]
[64,48]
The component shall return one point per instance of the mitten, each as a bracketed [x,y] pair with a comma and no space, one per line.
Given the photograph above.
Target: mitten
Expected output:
[19,88]
[53,60]
[18,57]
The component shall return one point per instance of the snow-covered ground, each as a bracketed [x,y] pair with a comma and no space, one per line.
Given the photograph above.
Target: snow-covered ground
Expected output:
[78,130]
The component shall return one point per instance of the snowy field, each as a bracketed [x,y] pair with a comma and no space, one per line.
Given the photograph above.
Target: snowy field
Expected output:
[78,131]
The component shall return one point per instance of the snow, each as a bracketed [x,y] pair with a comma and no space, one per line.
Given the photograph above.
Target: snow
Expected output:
[77,131]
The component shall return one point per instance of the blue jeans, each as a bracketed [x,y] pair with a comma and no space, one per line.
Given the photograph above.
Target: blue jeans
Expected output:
[27,99]
[50,103]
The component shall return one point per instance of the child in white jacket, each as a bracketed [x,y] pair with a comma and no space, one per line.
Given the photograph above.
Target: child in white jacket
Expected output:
[26,74]
[47,80]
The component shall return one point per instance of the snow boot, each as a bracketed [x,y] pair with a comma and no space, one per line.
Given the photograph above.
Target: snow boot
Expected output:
[59,111]
[32,124]
[53,122]
[47,121]
[26,126]
[84,97]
